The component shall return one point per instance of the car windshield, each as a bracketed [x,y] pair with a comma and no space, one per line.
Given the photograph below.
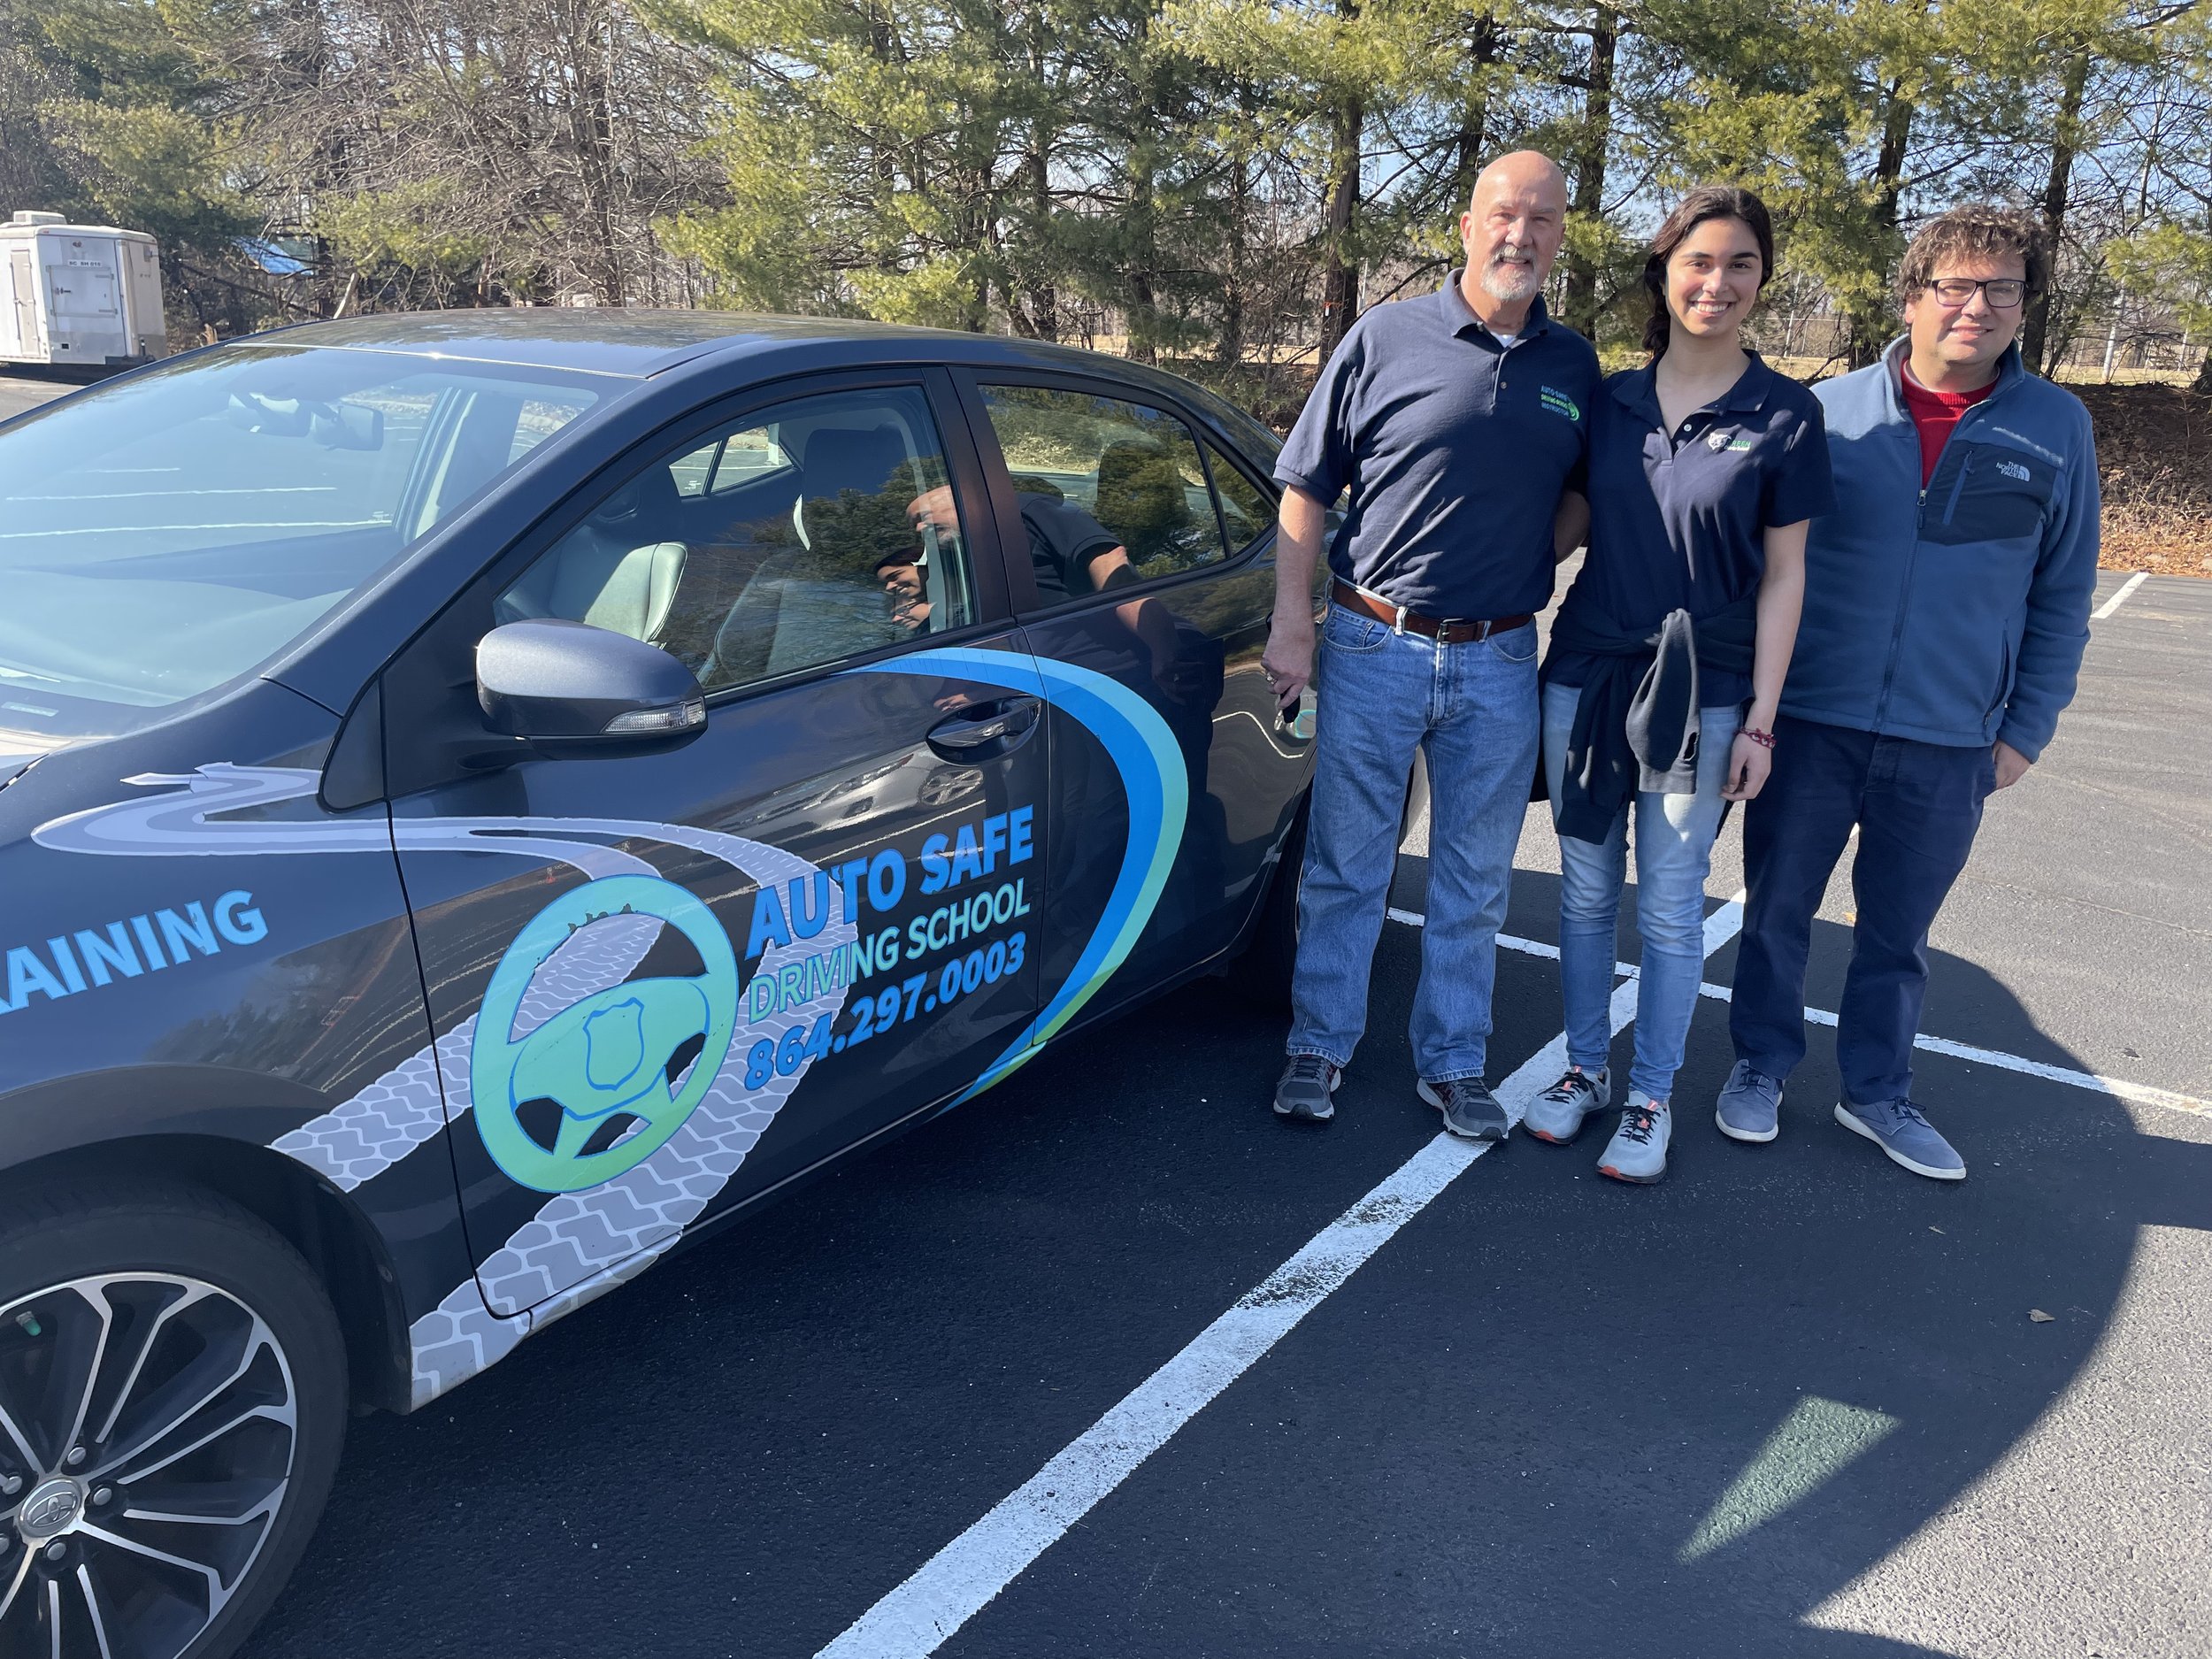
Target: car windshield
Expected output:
[165,536]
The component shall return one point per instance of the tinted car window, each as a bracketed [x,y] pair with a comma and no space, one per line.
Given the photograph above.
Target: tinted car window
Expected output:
[168,533]
[1110,491]
[730,460]
[815,530]
[1246,512]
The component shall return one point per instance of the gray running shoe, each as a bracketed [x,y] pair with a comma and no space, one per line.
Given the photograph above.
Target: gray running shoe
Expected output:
[1750,1104]
[1558,1114]
[1471,1110]
[1637,1150]
[1303,1093]
[1898,1128]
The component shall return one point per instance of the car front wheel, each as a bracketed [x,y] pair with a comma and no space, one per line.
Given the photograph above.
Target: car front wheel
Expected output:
[172,1402]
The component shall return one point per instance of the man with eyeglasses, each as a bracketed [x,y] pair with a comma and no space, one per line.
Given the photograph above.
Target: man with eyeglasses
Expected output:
[1947,606]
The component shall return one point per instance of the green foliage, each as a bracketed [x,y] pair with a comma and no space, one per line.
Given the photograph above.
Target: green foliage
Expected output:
[2174,262]
[129,120]
[1158,174]
[412,226]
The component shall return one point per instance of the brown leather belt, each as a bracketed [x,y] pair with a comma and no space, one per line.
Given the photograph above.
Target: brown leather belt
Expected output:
[1452,632]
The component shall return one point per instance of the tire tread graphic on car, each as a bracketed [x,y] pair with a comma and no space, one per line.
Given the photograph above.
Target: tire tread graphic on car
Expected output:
[566,1253]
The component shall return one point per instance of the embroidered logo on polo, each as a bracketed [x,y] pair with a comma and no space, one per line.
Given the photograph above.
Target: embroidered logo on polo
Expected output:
[1734,442]
[1552,398]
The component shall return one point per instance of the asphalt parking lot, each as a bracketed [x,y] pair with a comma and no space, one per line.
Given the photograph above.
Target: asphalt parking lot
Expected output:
[1109,1362]
[1792,1401]
[19,391]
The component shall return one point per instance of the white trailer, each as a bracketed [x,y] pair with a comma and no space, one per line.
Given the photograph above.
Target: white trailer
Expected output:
[87,295]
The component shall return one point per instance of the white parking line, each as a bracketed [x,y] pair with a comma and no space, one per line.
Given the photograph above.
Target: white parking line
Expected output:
[2141,1094]
[2119,598]
[960,1580]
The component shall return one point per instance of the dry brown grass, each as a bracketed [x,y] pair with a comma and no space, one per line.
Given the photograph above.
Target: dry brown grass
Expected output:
[2154,455]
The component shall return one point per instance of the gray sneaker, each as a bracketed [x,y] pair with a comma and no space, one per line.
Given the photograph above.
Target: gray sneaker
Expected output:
[1750,1104]
[1637,1150]
[1303,1093]
[1558,1114]
[1898,1128]
[1471,1110]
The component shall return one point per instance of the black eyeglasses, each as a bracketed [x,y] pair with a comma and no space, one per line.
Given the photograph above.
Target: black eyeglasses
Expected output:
[2003,293]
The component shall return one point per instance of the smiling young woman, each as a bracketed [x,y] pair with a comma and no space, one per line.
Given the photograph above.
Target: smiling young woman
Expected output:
[1668,658]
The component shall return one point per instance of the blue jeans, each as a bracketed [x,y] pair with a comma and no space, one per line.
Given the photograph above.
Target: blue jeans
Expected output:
[1472,708]
[1674,854]
[1918,807]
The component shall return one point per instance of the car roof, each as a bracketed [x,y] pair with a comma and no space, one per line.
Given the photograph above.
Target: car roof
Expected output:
[636,343]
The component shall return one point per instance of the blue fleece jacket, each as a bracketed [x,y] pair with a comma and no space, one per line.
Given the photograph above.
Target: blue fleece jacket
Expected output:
[1957,614]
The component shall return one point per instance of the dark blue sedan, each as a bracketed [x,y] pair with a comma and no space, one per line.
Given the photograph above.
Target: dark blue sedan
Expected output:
[487,797]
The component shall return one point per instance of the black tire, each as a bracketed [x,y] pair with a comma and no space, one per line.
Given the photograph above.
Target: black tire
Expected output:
[1263,978]
[118,1305]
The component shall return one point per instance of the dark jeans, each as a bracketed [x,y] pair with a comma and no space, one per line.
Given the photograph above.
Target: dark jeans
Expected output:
[1917,806]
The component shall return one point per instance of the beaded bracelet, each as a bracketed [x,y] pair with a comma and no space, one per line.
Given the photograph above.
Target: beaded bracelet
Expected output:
[1764,740]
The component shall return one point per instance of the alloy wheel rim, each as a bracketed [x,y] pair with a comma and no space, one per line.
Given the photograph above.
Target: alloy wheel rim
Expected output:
[148,1425]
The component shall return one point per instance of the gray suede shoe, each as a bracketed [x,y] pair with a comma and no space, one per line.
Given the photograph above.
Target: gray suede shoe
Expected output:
[1558,1114]
[1750,1104]
[1898,1128]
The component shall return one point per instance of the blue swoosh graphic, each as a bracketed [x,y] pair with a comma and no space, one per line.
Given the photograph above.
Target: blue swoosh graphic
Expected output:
[1144,752]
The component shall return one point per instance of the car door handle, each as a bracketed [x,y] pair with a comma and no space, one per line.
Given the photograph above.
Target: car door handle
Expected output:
[985,730]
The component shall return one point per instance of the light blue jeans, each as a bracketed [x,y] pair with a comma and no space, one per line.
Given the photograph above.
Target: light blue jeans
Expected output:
[1472,708]
[1674,854]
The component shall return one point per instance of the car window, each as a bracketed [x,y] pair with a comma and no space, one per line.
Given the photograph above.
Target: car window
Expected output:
[1110,491]
[818,529]
[1245,511]
[691,472]
[721,467]
[165,534]
[746,456]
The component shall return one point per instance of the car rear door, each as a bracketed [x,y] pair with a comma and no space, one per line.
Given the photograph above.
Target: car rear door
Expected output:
[663,983]
[1138,549]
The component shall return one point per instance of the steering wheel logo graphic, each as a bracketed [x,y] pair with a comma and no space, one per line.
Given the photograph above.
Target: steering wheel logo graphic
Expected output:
[611,1058]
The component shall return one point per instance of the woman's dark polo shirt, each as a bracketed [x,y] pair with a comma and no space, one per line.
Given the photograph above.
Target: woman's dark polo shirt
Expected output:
[1456,450]
[1678,522]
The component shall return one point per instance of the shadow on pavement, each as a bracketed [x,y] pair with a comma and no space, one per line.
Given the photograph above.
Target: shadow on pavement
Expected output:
[1675,1420]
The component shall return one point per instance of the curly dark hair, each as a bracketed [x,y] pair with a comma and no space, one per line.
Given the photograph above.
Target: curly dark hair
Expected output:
[1976,231]
[1707,201]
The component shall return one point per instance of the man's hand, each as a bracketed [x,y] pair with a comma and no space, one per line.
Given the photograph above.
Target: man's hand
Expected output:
[1748,764]
[1288,659]
[934,509]
[2012,765]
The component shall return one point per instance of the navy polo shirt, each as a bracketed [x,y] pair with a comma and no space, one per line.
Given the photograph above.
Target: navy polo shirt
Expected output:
[1678,520]
[1456,449]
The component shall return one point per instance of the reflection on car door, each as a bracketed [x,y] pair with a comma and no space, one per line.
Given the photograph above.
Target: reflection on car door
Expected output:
[1147,563]
[663,983]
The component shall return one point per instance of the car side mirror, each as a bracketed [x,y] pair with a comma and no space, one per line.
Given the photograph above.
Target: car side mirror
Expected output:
[575,692]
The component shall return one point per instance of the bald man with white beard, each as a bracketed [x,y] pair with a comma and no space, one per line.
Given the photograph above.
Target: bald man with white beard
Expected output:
[1459,424]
